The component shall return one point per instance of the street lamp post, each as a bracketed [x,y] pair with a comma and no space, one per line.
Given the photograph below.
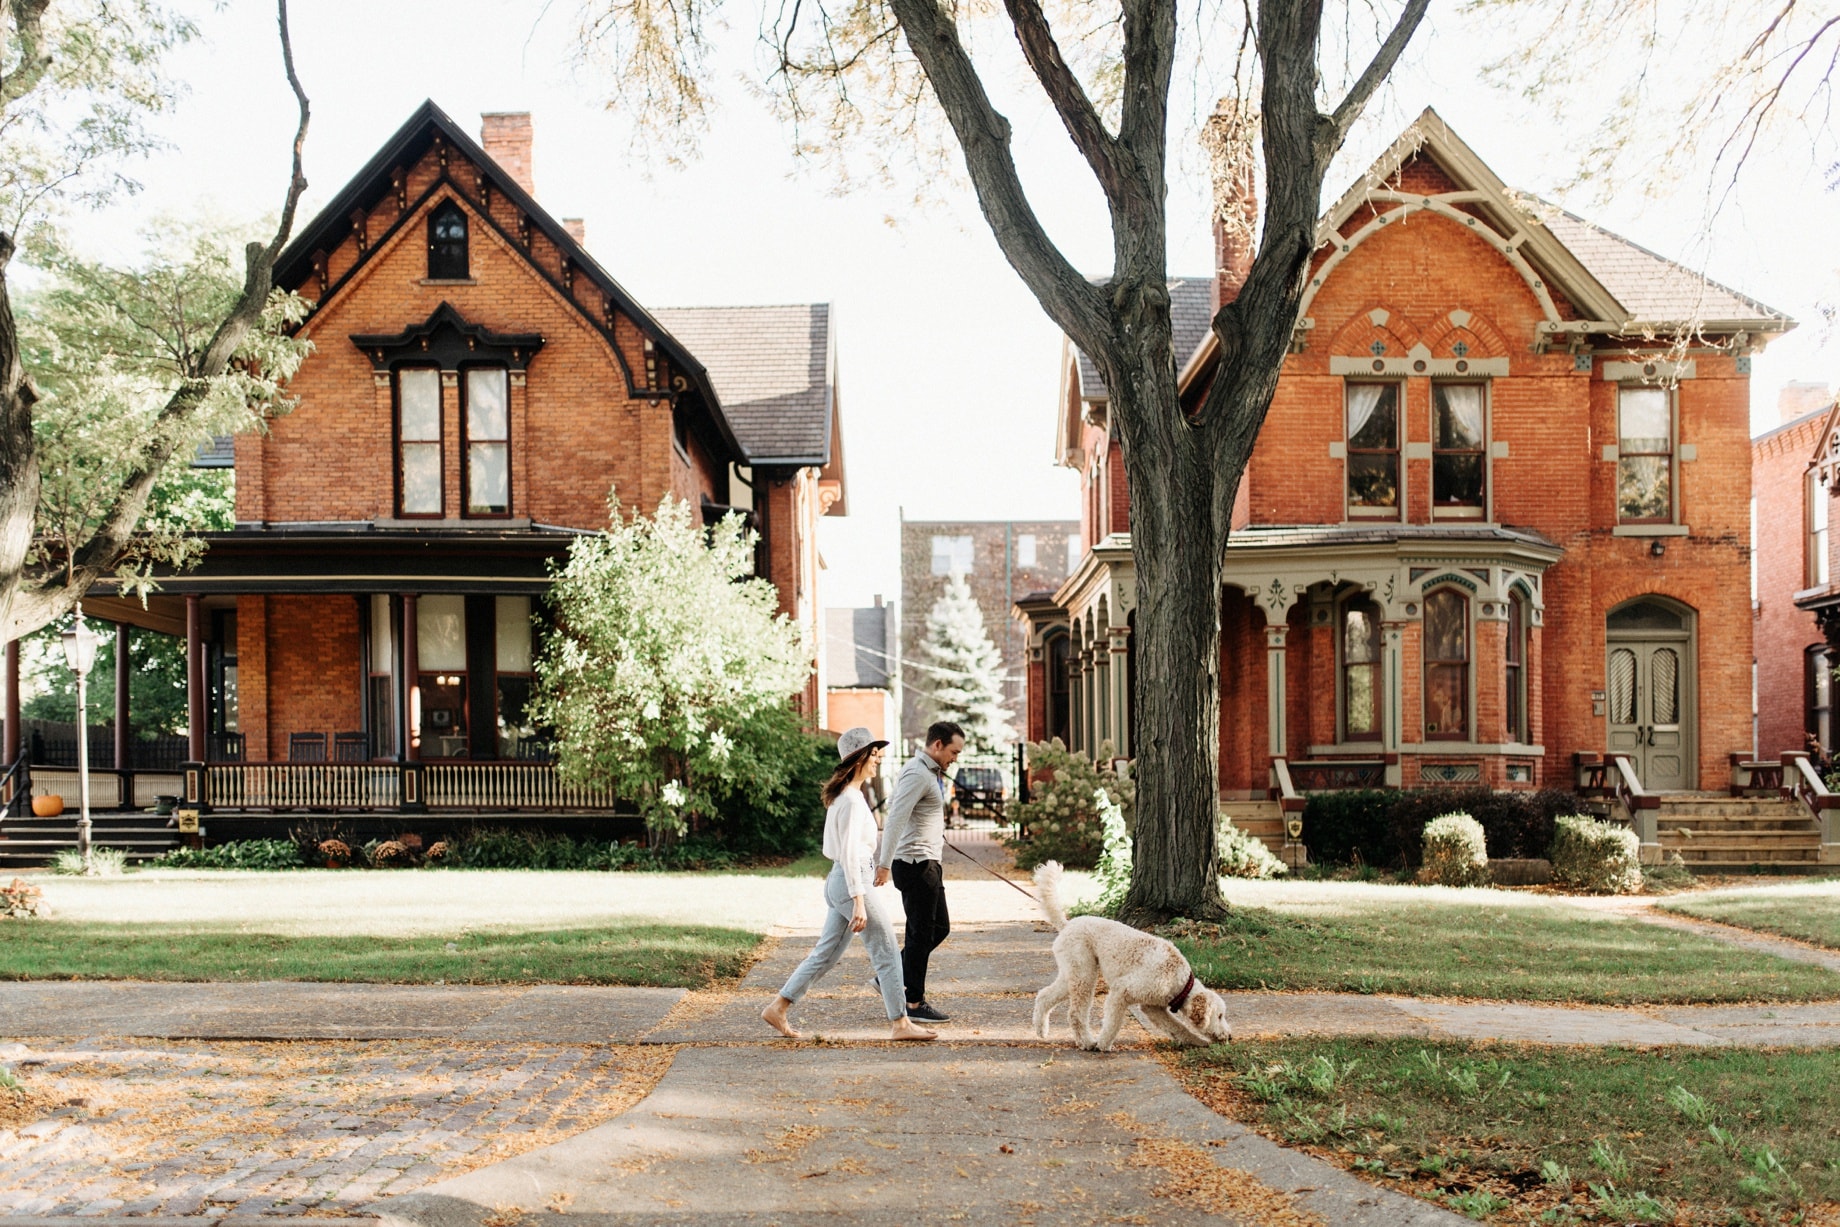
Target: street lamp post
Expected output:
[80,655]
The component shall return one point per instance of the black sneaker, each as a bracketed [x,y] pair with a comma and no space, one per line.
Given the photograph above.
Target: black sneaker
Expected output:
[924,1012]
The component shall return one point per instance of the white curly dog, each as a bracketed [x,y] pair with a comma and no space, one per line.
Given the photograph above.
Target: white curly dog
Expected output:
[1142,972]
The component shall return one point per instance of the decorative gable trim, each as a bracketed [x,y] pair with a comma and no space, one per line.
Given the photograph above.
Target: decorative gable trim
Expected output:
[449,341]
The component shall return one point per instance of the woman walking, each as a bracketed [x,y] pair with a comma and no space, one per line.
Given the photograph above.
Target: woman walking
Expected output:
[849,840]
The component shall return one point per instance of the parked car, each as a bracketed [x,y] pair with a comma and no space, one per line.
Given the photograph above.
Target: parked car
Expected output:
[978,792]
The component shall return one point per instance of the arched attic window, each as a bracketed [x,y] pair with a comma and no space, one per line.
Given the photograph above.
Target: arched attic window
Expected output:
[447,255]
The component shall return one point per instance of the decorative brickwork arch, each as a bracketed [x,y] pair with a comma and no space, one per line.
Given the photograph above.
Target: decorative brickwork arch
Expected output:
[1464,334]
[1391,331]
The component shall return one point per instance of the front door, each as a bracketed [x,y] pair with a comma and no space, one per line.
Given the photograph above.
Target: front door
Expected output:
[1649,711]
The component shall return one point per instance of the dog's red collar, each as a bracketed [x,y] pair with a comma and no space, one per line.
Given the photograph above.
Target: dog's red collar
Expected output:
[1181,998]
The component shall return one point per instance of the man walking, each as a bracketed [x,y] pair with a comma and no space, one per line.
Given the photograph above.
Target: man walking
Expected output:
[912,847]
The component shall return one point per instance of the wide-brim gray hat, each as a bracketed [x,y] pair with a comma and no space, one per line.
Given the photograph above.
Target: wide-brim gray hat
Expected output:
[856,740]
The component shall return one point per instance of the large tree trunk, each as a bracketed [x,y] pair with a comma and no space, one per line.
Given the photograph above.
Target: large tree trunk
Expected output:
[18,449]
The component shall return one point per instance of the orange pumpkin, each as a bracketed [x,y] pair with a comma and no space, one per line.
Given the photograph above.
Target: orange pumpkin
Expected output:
[47,805]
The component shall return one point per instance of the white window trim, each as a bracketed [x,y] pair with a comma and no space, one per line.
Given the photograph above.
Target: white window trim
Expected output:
[1677,452]
[1377,516]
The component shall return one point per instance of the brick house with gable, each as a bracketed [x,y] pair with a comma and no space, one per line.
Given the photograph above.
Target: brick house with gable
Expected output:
[1496,527]
[479,384]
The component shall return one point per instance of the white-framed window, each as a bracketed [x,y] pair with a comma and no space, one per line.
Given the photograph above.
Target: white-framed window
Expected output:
[1815,497]
[419,458]
[1645,455]
[1372,462]
[1025,549]
[1359,649]
[952,555]
[1459,450]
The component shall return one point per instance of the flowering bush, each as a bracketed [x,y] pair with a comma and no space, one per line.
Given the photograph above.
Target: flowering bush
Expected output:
[20,900]
[1061,819]
[1244,855]
[437,851]
[1456,852]
[389,854]
[1114,868]
[336,852]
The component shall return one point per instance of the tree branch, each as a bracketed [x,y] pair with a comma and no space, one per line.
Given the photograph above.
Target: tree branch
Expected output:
[1068,298]
[1076,110]
[34,61]
[1378,69]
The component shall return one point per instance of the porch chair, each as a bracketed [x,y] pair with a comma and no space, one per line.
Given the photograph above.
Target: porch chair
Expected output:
[306,747]
[351,748]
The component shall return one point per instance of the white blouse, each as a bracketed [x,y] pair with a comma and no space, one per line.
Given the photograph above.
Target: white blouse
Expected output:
[850,837]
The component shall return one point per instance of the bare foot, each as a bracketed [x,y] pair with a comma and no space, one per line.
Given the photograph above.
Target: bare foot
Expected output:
[775,1016]
[904,1029]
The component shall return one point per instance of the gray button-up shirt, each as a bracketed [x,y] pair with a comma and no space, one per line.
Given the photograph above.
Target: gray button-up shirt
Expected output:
[916,826]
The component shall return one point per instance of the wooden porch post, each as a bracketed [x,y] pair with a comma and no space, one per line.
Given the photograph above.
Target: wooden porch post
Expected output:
[194,677]
[12,702]
[123,674]
[408,682]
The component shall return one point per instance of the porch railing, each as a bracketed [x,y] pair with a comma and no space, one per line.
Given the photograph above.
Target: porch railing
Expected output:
[303,786]
[507,786]
[1803,784]
[1640,807]
[489,786]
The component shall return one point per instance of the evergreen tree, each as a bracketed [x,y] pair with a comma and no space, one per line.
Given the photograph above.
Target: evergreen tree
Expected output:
[965,668]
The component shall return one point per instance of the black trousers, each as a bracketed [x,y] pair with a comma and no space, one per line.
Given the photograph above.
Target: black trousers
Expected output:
[923,897]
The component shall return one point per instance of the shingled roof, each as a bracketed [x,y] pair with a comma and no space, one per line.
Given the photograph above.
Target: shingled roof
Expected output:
[1190,314]
[774,369]
[1651,287]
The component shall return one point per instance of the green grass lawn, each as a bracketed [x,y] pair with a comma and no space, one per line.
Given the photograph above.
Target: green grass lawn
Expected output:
[1520,1133]
[621,952]
[1806,910]
[1523,948]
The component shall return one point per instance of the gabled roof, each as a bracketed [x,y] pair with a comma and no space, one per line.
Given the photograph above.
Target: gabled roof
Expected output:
[1612,282]
[775,369]
[411,141]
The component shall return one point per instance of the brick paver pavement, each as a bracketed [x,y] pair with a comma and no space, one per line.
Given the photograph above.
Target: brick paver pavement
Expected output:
[290,1128]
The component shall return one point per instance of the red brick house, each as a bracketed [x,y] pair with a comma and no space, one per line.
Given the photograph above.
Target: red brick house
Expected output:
[1794,594]
[480,383]
[1496,528]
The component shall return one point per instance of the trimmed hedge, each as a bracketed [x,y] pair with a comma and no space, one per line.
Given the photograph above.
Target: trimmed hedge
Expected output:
[1385,827]
[1454,852]
[1604,857]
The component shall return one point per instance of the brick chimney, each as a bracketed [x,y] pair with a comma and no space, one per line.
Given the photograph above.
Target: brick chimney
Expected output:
[506,135]
[577,228]
[1795,399]
[1229,138]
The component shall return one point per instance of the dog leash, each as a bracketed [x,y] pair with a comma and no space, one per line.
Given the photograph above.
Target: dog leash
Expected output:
[987,869]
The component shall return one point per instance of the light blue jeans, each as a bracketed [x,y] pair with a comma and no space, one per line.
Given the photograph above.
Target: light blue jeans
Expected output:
[877,936]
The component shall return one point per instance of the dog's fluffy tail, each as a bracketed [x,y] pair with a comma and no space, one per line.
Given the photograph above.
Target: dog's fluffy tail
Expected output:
[1048,889]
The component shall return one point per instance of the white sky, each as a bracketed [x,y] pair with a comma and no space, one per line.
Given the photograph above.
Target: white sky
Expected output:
[948,367]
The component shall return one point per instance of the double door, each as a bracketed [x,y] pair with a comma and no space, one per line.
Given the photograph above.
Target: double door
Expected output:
[1650,705]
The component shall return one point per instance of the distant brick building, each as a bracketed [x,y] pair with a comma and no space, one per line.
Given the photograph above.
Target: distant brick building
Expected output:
[1793,489]
[479,384]
[1492,520]
[859,662]
[1002,561]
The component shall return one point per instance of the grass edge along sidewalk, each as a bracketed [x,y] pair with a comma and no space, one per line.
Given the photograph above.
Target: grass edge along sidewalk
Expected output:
[616,952]
[1527,1133]
[1522,952]
[1807,912]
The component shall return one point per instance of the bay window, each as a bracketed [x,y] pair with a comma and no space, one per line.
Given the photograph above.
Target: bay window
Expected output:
[1360,644]
[1446,665]
[1514,684]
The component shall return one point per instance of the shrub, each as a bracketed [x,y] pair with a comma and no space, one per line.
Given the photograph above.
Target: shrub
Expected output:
[20,900]
[311,837]
[1455,852]
[336,852]
[1600,857]
[1243,855]
[499,848]
[238,854]
[1060,820]
[107,862]
[787,818]
[390,854]
[1114,866]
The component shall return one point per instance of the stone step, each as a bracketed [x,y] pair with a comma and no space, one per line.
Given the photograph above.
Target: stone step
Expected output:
[1734,826]
[1702,857]
[1736,807]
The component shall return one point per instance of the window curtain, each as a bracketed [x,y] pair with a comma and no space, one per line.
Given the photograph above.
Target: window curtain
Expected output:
[1363,399]
[1460,425]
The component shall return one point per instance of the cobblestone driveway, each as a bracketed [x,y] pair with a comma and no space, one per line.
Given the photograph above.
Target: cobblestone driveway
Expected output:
[289,1128]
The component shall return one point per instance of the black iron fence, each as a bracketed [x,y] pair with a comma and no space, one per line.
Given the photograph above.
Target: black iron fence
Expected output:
[53,743]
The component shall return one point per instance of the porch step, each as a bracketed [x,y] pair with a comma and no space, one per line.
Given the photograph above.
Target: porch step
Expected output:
[1264,819]
[34,841]
[1738,834]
